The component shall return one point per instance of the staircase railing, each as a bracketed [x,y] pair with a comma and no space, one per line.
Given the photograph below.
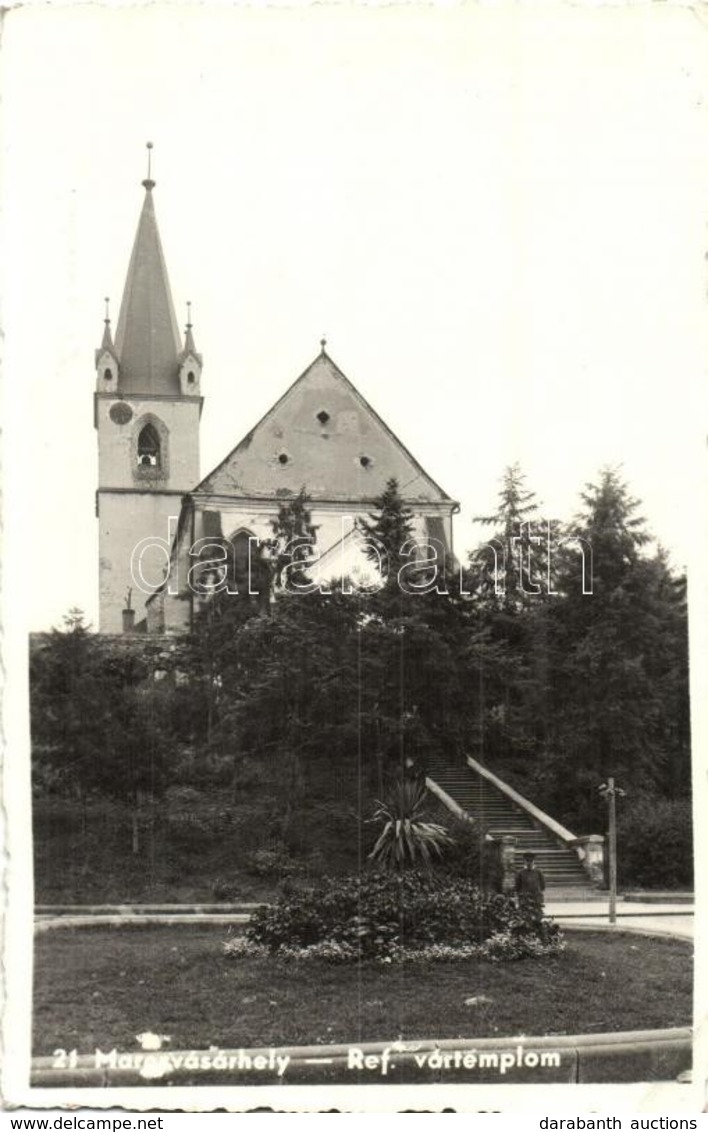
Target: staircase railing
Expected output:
[555,828]
[589,850]
[450,803]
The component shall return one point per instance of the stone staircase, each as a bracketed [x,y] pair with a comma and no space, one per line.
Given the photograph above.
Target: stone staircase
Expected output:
[560,865]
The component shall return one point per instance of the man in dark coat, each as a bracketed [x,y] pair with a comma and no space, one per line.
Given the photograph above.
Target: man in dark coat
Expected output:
[530,886]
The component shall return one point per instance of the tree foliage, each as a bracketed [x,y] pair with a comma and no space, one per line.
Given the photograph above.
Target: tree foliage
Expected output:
[618,669]
[389,533]
[333,694]
[100,720]
[292,547]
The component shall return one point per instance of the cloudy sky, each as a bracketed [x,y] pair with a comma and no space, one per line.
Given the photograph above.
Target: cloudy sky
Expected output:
[497,215]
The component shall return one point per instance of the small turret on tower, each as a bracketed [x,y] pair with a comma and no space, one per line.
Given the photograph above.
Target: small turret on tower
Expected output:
[190,362]
[106,359]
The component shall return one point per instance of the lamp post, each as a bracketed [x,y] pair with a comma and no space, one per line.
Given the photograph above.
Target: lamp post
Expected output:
[610,792]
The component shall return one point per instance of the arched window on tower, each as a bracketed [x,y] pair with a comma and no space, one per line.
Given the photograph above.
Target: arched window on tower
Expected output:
[148,447]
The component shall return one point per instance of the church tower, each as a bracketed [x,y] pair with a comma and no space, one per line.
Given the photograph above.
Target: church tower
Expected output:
[147,407]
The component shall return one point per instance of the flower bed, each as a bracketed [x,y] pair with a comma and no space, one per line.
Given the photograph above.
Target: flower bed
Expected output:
[395,918]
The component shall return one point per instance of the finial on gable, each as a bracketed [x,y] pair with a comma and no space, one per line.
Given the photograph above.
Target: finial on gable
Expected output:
[323,343]
[189,314]
[107,316]
[148,182]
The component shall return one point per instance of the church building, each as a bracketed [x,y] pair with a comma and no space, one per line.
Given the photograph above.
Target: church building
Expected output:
[153,508]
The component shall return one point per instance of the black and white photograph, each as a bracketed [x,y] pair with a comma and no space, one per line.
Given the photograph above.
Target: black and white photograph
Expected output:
[355,632]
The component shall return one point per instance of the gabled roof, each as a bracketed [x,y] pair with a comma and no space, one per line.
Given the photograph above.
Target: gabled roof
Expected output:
[324,436]
[147,337]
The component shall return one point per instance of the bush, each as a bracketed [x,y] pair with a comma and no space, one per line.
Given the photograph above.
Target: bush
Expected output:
[505,946]
[195,830]
[378,914]
[274,860]
[502,947]
[197,819]
[655,843]
[240,947]
[182,796]
[226,889]
[200,768]
[471,856]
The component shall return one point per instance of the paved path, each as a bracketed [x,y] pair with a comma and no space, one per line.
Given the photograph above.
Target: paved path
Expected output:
[652,919]
[44,923]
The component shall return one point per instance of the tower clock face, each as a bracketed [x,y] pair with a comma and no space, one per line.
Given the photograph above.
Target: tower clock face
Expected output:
[120,413]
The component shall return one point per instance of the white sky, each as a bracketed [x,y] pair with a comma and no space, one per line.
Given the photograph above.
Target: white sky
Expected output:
[498,216]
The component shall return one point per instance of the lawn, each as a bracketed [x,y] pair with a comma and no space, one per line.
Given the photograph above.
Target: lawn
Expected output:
[101,987]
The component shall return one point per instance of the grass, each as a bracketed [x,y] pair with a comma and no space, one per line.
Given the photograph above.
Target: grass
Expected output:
[101,987]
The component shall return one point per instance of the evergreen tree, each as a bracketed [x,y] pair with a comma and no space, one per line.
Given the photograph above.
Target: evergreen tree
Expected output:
[507,655]
[65,707]
[100,722]
[289,700]
[619,668]
[414,699]
[511,565]
[292,546]
[389,534]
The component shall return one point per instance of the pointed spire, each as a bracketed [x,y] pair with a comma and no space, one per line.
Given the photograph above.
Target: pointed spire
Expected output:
[147,336]
[106,346]
[189,346]
[107,343]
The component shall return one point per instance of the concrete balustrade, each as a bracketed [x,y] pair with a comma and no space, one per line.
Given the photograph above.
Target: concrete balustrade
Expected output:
[589,848]
[591,851]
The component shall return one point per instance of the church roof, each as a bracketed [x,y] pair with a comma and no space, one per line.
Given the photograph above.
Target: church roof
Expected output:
[147,337]
[324,436]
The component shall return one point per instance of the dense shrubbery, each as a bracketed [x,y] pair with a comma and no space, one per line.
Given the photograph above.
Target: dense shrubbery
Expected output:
[471,856]
[192,831]
[502,947]
[379,916]
[274,860]
[227,889]
[654,843]
[195,819]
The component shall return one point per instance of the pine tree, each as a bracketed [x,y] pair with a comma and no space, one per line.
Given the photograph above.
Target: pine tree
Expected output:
[389,534]
[619,678]
[512,574]
[507,659]
[292,546]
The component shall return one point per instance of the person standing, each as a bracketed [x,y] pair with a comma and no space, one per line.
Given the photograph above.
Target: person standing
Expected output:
[530,886]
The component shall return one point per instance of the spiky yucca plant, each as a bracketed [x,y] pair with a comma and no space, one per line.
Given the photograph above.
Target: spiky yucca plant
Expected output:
[406,839]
